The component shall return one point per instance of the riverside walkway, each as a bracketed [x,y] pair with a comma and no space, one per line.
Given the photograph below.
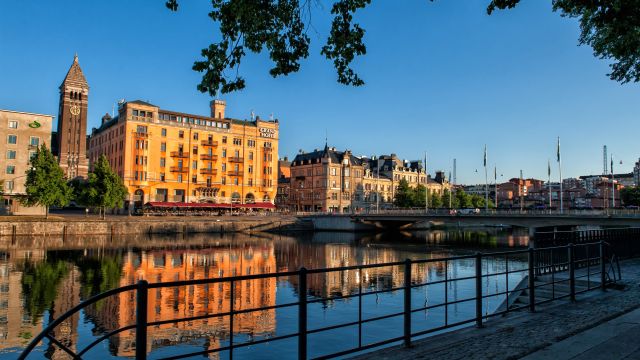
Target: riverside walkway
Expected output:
[598,325]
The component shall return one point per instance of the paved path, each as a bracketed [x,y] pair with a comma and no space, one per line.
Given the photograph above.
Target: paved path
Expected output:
[541,333]
[615,339]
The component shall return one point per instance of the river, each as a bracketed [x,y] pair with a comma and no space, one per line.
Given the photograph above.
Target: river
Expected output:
[41,278]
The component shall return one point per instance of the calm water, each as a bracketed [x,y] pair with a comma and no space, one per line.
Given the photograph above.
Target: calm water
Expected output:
[41,278]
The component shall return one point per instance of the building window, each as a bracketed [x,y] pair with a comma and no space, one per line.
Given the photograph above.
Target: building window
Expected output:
[163,147]
[235,181]
[181,134]
[194,179]
[250,155]
[250,182]
[179,178]
[11,169]
[224,167]
[8,185]
[11,154]
[236,153]
[32,154]
[334,196]
[237,141]
[163,162]
[162,178]
[224,153]
[224,180]
[13,124]
[194,165]
[163,132]
[12,139]
[34,141]
[250,169]
[195,136]
[195,150]
[224,139]
[333,171]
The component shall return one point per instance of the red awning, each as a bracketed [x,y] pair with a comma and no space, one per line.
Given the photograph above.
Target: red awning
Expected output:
[166,204]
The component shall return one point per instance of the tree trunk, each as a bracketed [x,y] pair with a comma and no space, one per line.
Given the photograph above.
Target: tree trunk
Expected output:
[46,213]
[104,213]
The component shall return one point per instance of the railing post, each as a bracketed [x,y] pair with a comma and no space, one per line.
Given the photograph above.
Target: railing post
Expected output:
[302,314]
[478,290]
[572,272]
[141,319]
[603,277]
[407,303]
[532,280]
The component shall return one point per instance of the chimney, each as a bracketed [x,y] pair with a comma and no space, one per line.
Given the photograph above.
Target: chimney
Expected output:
[217,108]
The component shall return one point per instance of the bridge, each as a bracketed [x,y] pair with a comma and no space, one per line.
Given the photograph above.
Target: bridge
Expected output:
[396,220]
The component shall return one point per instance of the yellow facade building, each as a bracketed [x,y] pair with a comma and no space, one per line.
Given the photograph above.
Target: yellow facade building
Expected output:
[168,156]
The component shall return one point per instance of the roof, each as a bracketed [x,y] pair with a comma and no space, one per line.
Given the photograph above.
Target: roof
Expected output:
[25,113]
[335,156]
[75,75]
[140,102]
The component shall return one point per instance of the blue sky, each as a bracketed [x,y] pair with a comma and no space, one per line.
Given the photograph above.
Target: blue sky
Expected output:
[441,77]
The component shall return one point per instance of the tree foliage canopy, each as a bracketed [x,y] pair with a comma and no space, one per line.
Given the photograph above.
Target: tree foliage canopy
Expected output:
[280,27]
[103,188]
[45,185]
[631,196]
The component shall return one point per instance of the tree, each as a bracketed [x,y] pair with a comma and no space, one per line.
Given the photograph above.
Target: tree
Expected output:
[404,195]
[280,27]
[45,185]
[435,199]
[631,196]
[463,199]
[104,187]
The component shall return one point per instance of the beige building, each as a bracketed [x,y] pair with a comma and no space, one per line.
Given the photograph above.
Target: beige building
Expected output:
[21,133]
[337,181]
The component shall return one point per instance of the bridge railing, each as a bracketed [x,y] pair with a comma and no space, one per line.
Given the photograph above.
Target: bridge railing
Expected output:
[628,213]
[409,289]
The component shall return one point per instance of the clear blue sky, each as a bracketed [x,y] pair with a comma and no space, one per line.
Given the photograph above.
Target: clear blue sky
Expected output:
[442,77]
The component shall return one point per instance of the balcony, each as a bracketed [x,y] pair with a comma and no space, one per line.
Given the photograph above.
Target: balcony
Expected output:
[180,154]
[267,149]
[180,169]
[235,159]
[211,157]
[143,135]
[209,143]
[234,173]
[208,171]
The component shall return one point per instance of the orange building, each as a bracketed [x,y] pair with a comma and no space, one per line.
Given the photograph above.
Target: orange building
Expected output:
[170,156]
[187,301]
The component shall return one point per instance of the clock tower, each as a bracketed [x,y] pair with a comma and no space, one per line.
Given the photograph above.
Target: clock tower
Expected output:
[72,123]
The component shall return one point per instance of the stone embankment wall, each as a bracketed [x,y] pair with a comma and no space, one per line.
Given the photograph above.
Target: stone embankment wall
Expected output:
[136,225]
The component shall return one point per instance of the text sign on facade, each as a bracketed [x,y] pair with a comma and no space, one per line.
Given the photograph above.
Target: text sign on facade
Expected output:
[268,133]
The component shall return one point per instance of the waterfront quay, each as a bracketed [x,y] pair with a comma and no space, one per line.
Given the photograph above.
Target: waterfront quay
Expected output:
[600,325]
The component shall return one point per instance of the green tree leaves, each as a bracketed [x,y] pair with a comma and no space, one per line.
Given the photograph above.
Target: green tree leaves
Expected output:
[630,196]
[103,188]
[45,185]
[610,27]
[280,27]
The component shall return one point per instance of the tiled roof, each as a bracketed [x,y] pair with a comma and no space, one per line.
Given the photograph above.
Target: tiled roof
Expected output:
[75,75]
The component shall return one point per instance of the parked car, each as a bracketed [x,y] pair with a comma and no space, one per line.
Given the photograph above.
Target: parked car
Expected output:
[469,211]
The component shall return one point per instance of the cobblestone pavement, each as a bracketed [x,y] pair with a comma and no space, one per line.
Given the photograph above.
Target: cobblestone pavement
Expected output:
[521,333]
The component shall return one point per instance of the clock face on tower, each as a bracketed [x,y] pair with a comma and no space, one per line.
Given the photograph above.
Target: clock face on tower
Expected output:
[75,110]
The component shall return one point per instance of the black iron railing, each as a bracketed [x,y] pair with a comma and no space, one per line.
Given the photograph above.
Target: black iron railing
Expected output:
[538,278]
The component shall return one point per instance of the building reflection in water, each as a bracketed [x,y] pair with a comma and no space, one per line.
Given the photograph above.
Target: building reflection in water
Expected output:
[76,273]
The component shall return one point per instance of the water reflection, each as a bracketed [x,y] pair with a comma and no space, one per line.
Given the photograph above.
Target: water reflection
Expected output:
[41,278]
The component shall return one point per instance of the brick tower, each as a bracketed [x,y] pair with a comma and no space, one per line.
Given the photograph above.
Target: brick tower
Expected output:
[72,123]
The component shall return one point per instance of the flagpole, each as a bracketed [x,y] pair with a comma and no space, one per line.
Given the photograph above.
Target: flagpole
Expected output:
[495,180]
[486,182]
[560,172]
[613,187]
[549,182]
[426,183]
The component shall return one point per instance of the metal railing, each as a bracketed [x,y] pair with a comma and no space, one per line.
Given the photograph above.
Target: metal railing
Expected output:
[142,289]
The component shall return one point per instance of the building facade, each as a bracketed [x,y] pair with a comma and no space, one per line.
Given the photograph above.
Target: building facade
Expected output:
[71,137]
[329,180]
[168,156]
[22,134]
